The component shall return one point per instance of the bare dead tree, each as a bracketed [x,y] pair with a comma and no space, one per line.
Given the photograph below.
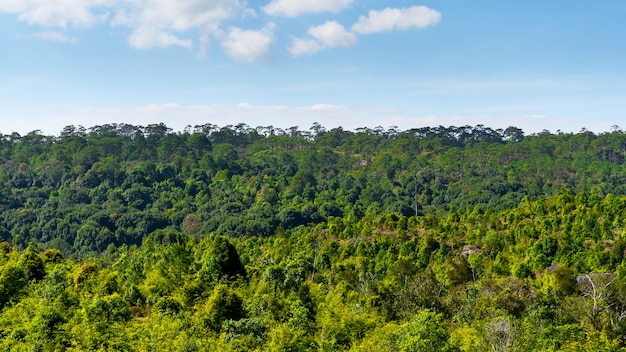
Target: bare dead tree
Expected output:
[501,334]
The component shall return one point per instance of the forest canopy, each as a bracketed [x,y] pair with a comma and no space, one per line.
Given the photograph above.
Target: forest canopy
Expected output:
[123,237]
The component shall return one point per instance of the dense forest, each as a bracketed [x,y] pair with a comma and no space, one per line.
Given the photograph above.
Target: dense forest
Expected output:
[123,237]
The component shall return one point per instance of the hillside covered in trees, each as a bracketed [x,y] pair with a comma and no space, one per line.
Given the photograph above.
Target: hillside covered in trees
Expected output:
[122,237]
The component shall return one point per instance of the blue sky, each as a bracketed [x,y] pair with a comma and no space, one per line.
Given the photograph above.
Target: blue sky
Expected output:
[555,65]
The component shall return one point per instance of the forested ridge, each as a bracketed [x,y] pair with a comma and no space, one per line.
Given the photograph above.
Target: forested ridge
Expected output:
[123,237]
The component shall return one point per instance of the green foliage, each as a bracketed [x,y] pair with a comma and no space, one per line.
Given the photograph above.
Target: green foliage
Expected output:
[46,327]
[86,271]
[223,305]
[87,190]
[252,327]
[543,252]
[167,305]
[108,309]
[13,279]
[424,332]
[125,237]
[221,260]
[52,256]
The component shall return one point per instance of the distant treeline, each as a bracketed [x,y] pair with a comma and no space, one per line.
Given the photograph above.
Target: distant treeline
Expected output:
[88,189]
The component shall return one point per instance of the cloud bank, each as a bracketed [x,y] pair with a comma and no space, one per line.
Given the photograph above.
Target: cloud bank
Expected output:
[153,23]
[192,24]
[157,23]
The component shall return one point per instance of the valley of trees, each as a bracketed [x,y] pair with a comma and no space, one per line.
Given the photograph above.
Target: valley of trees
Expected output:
[140,238]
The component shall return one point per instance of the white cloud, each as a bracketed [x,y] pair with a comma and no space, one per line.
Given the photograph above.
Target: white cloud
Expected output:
[58,13]
[328,35]
[153,23]
[178,15]
[300,46]
[332,34]
[146,38]
[391,19]
[193,24]
[56,36]
[294,8]
[249,45]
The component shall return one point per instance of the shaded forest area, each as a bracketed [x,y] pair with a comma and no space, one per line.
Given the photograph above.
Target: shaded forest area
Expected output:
[122,237]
